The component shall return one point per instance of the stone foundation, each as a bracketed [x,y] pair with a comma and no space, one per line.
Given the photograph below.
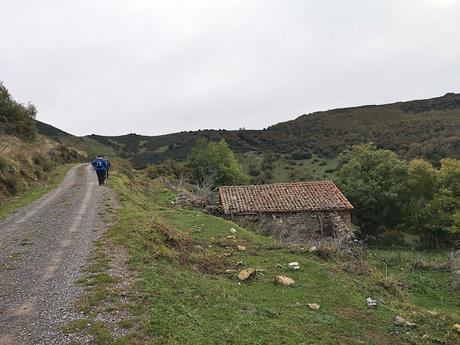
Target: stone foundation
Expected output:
[299,227]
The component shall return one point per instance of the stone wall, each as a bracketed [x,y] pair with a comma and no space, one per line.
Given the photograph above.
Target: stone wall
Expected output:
[298,226]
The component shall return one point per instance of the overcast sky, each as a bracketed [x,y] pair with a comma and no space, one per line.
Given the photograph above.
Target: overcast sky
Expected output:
[153,67]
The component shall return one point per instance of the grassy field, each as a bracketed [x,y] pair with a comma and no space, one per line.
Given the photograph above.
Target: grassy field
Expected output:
[183,294]
[11,204]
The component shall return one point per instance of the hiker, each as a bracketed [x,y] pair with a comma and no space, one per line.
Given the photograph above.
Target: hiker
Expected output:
[100,165]
[108,167]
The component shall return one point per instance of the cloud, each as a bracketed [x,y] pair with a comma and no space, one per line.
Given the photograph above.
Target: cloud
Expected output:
[154,67]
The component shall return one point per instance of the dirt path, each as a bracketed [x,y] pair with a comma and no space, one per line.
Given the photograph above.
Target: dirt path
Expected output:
[42,250]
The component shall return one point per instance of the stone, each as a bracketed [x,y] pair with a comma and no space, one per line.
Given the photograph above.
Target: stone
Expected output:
[457,327]
[371,303]
[313,306]
[233,231]
[231,237]
[250,310]
[400,321]
[293,265]
[284,281]
[312,249]
[230,271]
[241,248]
[246,274]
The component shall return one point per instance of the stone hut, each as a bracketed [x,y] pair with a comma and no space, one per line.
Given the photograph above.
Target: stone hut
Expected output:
[293,212]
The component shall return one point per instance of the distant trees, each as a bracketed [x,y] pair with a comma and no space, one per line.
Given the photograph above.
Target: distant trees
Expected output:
[391,194]
[215,159]
[15,118]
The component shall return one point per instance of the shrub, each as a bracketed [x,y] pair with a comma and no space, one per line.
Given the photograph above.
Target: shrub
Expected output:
[322,163]
[300,154]
[3,164]
[12,184]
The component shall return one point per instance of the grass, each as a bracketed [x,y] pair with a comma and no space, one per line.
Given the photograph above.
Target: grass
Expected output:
[12,204]
[185,296]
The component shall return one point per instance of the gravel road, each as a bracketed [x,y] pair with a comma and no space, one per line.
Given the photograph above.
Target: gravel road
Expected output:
[43,248]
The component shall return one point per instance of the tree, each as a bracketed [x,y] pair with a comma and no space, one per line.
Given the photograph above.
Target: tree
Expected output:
[423,186]
[16,119]
[375,181]
[215,159]
[443,211]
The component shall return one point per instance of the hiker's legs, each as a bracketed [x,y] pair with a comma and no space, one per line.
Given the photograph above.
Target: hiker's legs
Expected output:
[100,176]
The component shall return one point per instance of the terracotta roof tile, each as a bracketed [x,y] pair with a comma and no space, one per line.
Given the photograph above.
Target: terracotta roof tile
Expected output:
[283,197]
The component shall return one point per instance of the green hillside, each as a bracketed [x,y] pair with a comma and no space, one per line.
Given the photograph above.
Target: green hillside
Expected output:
[187,290]
[428,129]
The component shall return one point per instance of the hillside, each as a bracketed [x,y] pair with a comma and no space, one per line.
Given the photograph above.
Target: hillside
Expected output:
[181,285]
[427,128]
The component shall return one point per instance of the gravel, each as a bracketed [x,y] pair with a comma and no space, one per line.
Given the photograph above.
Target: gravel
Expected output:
[43,248]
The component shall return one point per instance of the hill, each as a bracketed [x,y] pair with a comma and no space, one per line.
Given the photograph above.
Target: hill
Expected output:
[427,128]
[181,285]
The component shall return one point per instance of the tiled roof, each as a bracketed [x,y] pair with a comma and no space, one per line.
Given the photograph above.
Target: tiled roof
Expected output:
[283,197]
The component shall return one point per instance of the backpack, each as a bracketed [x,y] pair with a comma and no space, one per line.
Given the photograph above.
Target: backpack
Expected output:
[99,164]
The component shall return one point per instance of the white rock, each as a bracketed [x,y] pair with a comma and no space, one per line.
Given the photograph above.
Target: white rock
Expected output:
[371,303]
[399,321]
[313,306]
[233,231]
[312,249]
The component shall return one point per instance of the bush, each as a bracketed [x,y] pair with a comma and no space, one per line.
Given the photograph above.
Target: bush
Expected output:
[301,154]
[12,184]
[152,171]
[254,172]
[3,164]
[322,163]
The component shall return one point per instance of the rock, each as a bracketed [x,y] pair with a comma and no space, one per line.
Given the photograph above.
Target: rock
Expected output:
[313,306]
[250,310]
[230,271]
[233,231]
[231,237]
[457,327]
[241,248]
[246,274]
[284,281]
[239,263]
[372,303]
[293,265]
[312,249]
[399,321]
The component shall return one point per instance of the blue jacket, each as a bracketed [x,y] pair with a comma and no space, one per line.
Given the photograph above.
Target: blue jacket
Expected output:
[99,164]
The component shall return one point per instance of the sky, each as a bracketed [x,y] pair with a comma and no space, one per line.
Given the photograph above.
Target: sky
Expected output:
[152,67]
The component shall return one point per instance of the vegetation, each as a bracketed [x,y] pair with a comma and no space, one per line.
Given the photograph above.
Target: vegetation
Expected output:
[214,161]
[185,295]
[428,129]
[13,203]
[15,118]
[389,193]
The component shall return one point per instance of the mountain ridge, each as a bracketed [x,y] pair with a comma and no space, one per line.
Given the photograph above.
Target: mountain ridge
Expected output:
[424,128]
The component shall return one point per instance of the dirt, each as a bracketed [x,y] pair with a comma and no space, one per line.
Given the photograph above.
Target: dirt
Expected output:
[43,248]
